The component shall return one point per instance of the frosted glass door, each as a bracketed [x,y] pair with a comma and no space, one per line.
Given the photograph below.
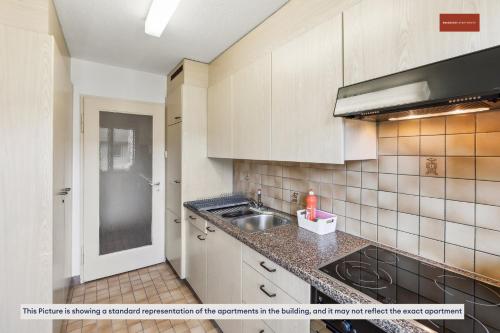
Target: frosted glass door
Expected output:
[125,181]
[124,190]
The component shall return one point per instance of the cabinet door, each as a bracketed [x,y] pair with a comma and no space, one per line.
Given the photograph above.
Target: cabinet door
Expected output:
[174,105]
[197,261]
[173,240]
[174,168]
[388,36]
[306,73]
[252,110]
[224,273]
[219,120]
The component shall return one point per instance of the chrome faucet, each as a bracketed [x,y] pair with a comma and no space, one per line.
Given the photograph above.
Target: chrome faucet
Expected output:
[257,204]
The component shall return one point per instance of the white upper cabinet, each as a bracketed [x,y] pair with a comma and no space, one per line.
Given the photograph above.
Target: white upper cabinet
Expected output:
[219,119]
[252,110]
[387,36]
[306,73]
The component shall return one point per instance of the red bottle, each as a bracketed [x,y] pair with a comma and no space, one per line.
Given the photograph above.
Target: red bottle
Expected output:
[311,204]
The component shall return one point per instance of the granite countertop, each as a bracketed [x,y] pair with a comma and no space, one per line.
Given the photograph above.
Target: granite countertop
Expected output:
[302,252]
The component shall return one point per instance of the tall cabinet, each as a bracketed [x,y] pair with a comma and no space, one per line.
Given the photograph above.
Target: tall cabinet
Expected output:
[191,174]
[35,135]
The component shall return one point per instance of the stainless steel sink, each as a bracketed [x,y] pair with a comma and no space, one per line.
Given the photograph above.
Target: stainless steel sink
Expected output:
[259,222]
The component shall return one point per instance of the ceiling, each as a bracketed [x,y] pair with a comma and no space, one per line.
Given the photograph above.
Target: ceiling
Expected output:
[112,31]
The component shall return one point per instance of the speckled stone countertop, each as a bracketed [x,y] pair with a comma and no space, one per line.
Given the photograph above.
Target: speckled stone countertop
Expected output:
[303,252]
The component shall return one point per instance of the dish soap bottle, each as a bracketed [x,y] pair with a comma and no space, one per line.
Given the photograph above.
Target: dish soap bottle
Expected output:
[311,203]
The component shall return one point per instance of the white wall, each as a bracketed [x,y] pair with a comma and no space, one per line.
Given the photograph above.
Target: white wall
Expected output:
[90,78]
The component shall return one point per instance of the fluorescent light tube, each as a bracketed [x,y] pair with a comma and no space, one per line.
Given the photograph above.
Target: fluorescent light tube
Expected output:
[159,15]
[439,114]
[400,95]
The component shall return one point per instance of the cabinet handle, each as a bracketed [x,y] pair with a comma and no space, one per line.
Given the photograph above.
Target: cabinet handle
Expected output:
[199,237]
[263,265]
[177,181]
[178,117]
[266,292]
[210,230]
[192,217]
[177,221]
[261,331]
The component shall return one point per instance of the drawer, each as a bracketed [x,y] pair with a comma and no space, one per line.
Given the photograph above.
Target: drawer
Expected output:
[256,326]
[196,221]
[291,284]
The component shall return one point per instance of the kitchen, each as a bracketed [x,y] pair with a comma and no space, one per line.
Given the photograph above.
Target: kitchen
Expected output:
[387,117]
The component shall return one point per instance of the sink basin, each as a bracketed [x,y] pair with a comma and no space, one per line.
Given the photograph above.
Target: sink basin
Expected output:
[259,222]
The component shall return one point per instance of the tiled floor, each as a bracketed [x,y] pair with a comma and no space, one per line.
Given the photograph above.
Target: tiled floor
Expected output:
[151,285]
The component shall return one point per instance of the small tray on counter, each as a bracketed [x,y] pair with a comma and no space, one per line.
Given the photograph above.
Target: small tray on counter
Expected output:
[325,222]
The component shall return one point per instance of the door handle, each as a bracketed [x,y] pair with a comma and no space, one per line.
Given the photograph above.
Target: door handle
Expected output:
[210,230]
[199,237]
[177,221]
[262,288]
[263,265]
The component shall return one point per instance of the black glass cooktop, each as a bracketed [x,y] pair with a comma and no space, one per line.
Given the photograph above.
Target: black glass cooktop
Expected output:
[394,278]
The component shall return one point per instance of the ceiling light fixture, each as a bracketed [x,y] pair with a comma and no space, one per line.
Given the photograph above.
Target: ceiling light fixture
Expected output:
[446,113]
[159,14]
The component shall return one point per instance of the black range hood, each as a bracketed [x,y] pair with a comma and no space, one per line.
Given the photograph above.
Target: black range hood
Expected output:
[468,83]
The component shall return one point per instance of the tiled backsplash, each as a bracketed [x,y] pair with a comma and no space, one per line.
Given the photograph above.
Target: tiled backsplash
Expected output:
[434,190]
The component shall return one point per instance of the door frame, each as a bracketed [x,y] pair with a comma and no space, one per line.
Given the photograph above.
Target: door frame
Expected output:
[154,253]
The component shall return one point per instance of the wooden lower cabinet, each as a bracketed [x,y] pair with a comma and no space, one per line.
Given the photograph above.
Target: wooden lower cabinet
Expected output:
[196,269]
[173,239]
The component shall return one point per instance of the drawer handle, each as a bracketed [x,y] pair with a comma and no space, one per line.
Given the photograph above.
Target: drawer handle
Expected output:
[266,292]
[210,230]
[263,265]
[192,217]
[200,238]
[177,221]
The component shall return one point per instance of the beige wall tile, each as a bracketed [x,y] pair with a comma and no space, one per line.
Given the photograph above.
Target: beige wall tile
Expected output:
[272,192]
[488,122]
[388,164]
[488,241]
[353,165]
[488,217]
[315,174]
[433,145]
[488,168]
[339,177]
[432,207]
[465,123]
[431,249]
[326,204]
[408,145]
[460,189]
[432,228]
[460,145]
[272,181]
[387,200]
[339,192]
[352,210]
[432,187]
[487,144]
[460,167]
[353,194]
[353,226]
[459,256]
[326,175]
[488,193]
[408,242]
[326,190]
[387,236]
[459,234]
[388,218]
[286,183]
[295,172]
[387,182]
[353,178]
[432,126]
[369,166]
[459,211]
[432,166]
[387,129]
[369,214]
[369,197]
[339,207]
[408,223]
[369,180]
[487,264]
[409,127]
[341,223]
[408,204]
[388,146]
[369,231]
[409,184]
[408,165]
